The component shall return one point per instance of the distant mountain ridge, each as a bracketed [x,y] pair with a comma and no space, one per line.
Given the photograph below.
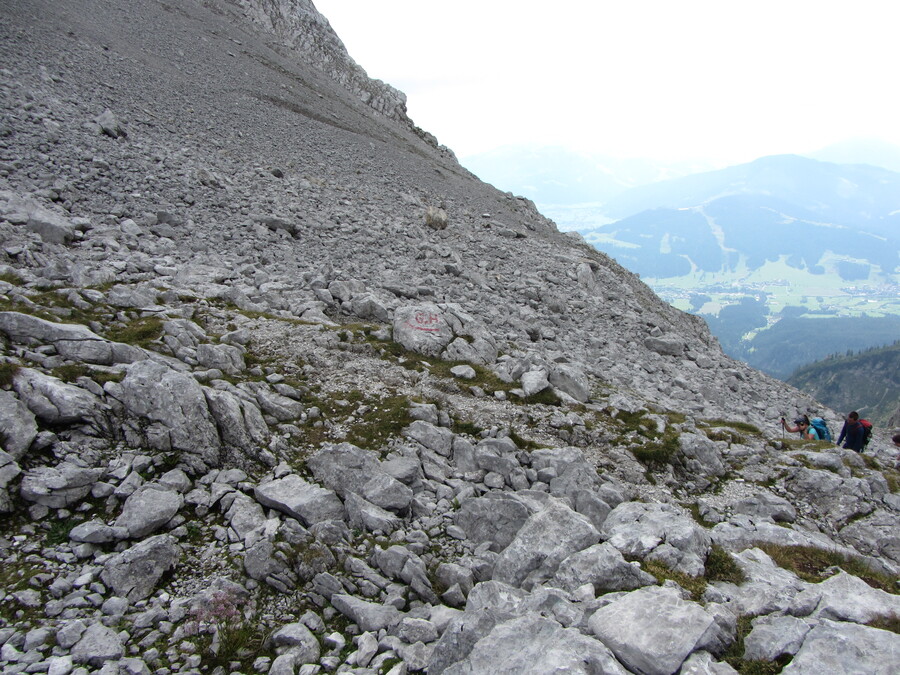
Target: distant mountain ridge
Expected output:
[868,382]
[784,207]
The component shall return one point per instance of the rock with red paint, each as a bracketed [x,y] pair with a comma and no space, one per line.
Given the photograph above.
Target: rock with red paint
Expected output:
[424,328]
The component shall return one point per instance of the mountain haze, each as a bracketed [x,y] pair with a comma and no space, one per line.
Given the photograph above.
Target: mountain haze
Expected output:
[286,389]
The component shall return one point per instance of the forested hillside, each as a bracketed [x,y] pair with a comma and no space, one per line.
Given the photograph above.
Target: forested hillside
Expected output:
[868,382]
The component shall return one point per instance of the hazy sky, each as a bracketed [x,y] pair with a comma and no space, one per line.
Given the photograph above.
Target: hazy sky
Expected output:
[725,80]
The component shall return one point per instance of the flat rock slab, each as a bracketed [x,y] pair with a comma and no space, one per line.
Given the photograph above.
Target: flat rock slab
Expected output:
[367,615]
[652,630]
[546,539]
[148,509]
[134,573]
[307,502]
[533,645]
[833,647]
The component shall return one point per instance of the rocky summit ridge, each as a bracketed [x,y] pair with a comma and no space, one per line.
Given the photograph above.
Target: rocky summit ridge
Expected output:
[285,389]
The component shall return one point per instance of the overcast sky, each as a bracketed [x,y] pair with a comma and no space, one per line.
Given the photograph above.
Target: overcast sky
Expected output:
[722,80]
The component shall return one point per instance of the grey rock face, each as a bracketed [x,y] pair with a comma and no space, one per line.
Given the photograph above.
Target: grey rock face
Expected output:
[301,642]
[58,486]
[496,518]
[53,401]
[366,615]
[658,531]
[299,499]
[174,405]
[767,505]
[546,539]
[239,422]
[844,597]
[98,645]
[571,381]
[18,424]
[134,573]
[148,509]
[846,648]
[72,341]
[97,532]
[602,566]
[652,630]
[773,636]
[534,645]
[346,469]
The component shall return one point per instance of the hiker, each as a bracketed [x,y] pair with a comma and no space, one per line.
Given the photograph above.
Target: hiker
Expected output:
[854,433]
[801,424]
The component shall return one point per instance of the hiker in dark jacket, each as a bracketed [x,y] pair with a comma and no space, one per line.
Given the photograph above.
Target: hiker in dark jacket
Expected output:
[853,434]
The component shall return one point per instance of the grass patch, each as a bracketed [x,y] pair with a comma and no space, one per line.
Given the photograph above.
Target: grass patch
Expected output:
[734,655]
[12,278]
[468,428]
[720,566]
[8,372]
[72,371]
[544,397]
[385,419]
[694,585]
[890,623]
[738,426]
[658,451]
[892,476]
[140,332]
[812,564]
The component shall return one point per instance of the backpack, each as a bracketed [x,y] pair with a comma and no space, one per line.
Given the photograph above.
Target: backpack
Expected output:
[821,427]
[867,431]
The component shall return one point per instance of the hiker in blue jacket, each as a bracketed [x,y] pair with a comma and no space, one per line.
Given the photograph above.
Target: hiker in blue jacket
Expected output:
[853,435]
[801,424]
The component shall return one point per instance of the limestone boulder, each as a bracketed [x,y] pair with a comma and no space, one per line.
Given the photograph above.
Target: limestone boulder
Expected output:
[658,532]
[546,539]
[147,509]
[534,645]
[653,630]
[53,401]
[496,518]
[58,486]
[74,342]
[369,616]
[839,647]
[18,423]
[134,573]
[602,566]
[169,411]
[300,499]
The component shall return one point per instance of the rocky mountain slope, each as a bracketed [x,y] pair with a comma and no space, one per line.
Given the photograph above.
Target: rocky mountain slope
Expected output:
[285,389]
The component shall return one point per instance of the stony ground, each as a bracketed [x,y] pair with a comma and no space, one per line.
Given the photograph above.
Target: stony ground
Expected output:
[284,389]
